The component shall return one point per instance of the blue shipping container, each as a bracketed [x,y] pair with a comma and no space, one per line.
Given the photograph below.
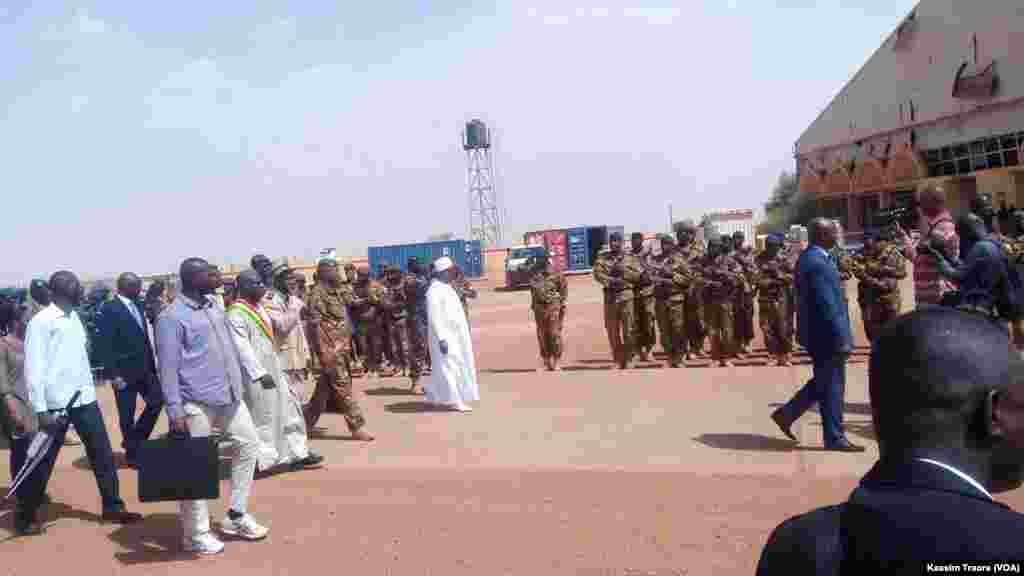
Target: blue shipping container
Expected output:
[466,255]
[579,254]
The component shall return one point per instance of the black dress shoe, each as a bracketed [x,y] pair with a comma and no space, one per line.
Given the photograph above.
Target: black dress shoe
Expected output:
[25,524]
[845,445]
[314,460]
[784,425]
[121,517]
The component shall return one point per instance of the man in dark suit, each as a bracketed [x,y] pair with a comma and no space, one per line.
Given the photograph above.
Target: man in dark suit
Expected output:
[948,409]
[128,361]
[823,329]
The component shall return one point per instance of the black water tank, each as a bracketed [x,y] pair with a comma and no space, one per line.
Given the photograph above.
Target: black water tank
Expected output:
[476,136]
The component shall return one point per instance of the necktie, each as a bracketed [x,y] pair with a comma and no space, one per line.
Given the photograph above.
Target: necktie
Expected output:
[134,309]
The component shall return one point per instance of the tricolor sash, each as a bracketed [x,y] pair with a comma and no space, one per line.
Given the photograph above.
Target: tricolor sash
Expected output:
[254,315]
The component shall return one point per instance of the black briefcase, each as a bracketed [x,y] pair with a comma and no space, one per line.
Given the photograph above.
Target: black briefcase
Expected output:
[177,468]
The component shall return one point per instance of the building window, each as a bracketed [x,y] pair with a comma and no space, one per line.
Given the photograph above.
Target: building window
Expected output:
[967,157]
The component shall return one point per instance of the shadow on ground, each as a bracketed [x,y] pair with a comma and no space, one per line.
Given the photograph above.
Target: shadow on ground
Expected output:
[858,408]
[509,370]
[155,540]
[414,407]
[389,391]
[747,442]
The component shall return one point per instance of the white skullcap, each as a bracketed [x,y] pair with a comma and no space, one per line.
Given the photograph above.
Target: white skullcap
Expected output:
[443,263]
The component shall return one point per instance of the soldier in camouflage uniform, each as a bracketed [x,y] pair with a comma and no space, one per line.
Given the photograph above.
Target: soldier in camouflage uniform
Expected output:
[644,313]
[775,276]
[675,280]
[416,285]
[662,290]
[619,273]
[368,295]
[548,296]
[723,278]
[395,310]
[332,341]
[744,256]
[348,280]
[463,288]
[693,253]
[878,288]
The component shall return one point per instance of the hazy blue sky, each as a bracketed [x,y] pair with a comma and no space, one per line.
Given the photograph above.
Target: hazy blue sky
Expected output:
[134,134]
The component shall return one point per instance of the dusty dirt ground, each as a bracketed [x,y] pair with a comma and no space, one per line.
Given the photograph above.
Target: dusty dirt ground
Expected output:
[591,471]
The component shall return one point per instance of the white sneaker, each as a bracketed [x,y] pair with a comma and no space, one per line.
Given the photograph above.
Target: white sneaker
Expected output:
[204,544]
[460,407]
[245,528]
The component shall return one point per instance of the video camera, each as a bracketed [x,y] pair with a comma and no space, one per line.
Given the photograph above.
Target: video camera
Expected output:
[890,216]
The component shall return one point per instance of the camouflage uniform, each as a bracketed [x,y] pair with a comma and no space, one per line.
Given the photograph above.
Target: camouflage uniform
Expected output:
[774,282]
[676,280]
[618,274]
[334,339]
[723,279]
[745,299]
[644,312]
[696,330]
[395,310]
[368,295]
[463,288]
[662,293]
[416,323]
[878,287]
[548,294]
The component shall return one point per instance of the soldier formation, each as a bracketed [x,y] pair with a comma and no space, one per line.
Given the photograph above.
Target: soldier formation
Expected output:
[687,296]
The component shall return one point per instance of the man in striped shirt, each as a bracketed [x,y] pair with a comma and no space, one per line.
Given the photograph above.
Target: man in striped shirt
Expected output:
[935,223]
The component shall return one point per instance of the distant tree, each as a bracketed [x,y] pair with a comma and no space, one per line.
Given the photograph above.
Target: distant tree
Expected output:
[443,237]
[787,205]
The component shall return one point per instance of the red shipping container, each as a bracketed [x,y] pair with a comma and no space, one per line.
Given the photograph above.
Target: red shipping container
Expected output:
[557,244]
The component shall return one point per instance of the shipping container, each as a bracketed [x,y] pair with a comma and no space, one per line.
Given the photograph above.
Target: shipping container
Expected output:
[579,252]
[556,243]
[728,227]
[466,255]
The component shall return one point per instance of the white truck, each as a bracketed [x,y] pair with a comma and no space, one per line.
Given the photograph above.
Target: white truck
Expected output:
[519,264]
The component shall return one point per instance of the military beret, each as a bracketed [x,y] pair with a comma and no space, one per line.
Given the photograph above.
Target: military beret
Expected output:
[637,235]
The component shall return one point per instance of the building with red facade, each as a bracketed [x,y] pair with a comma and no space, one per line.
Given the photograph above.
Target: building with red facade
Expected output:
[942,100]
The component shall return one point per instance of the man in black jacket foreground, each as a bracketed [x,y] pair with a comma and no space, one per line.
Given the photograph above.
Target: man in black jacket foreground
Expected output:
[947,406]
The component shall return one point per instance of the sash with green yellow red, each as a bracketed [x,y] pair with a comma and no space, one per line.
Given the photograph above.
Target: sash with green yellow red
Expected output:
[250,312]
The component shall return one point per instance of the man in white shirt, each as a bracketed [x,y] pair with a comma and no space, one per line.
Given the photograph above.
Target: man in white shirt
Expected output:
[57,366]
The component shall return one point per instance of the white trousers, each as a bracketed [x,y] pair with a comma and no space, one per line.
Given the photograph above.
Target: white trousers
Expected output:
[235,423]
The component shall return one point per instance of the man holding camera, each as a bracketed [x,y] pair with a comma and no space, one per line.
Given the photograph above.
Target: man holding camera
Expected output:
[936,227]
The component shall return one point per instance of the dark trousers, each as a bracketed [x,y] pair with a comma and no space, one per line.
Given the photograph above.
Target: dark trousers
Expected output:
[827,387]
[88,422]
[19,452]
[135,431]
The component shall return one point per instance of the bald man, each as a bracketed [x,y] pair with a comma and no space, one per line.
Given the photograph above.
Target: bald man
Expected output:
[947,406]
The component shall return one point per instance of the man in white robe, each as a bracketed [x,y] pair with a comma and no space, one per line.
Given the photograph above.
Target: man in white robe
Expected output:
[453,378]
[275,409]
[287,312]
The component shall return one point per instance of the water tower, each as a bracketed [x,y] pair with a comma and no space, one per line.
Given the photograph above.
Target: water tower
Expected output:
[484,212]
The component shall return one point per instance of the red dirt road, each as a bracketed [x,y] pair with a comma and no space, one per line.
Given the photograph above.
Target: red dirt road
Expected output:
[590,471]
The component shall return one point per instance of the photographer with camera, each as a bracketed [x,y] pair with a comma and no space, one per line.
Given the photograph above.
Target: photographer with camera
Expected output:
[937,229]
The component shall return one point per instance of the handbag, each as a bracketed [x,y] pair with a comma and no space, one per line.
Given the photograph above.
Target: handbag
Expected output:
[179,467]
